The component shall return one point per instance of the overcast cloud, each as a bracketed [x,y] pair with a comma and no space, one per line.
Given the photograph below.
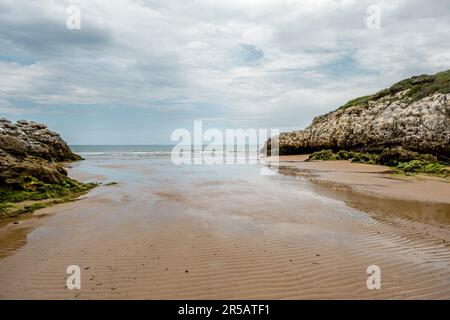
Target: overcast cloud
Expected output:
[137,69]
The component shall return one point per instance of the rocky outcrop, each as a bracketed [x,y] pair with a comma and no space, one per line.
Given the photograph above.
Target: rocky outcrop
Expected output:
[413,114]
[29,149]
[29,138]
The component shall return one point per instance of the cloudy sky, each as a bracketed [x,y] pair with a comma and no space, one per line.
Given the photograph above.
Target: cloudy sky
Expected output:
[138,69]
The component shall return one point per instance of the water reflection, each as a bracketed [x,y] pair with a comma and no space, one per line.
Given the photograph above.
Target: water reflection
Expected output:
[427,212]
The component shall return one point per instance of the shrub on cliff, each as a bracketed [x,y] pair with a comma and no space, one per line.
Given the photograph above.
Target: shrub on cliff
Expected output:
[414,88]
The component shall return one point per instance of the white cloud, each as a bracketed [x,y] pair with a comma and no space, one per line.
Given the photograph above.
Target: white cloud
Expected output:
[309,56]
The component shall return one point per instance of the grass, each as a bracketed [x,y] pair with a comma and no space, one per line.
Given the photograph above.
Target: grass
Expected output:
[357,102]
[418,87]
[423,163]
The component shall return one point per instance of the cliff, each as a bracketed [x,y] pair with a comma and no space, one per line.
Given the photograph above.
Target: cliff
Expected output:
[28,138]
[29,168]
[413,114]
[30,149]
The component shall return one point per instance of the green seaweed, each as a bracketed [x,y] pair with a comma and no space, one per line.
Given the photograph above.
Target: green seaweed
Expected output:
[420,163]
[4,208]
[40,191]
[36,206]
[423,166]
[323,155]
[31,189]
[360,157]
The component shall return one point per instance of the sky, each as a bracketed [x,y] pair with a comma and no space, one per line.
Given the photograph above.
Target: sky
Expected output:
[136,70]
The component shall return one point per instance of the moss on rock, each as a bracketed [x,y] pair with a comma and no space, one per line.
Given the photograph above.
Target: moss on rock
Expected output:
[361,157]
[37,190]
[30,177]
[39,195]
[404,160]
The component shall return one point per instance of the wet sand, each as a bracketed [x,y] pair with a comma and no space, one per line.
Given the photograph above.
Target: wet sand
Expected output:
[374,180]
[226,232]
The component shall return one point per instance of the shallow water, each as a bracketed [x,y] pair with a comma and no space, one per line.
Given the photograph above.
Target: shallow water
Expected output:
[238,233]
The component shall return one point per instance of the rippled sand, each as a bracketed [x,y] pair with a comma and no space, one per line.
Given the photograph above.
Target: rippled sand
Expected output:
[188,232]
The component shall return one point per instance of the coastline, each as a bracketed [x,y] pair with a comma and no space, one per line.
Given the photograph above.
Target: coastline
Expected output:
[372,180]
[14,210]
[237,151]
[164,233]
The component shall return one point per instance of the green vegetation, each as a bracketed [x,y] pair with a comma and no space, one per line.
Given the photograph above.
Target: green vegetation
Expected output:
[33,189]
[36,206]
[424,85]
[357,102]
[361,157]
[401,160]
[418,87]
[4,208]
[38,194]
[112,183]
[12,210]
[423,166]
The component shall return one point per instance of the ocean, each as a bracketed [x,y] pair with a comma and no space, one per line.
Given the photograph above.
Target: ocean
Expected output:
[228,154]
[91,151]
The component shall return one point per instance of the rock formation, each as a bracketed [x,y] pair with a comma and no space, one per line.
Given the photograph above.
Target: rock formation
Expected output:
[413,114]
[29,149]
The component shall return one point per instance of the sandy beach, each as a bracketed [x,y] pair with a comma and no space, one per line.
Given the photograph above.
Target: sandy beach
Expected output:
[375,180]
[226,232]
